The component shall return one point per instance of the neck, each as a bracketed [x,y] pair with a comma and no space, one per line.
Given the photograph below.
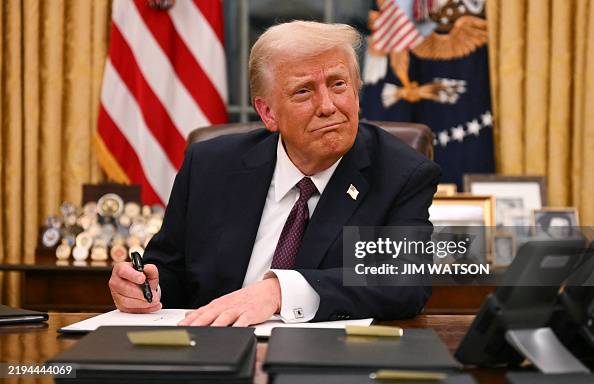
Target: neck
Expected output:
[310,169]
[307,166]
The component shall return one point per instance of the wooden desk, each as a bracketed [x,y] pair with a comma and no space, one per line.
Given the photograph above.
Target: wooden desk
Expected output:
[34,344]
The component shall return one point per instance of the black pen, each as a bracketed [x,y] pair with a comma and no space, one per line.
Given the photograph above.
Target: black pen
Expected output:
[139,266]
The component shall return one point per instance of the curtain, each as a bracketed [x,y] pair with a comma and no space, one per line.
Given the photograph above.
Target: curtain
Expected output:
[542,85]
[52,54]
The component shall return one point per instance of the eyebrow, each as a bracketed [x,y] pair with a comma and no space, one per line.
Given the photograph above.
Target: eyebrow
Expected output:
[306,79]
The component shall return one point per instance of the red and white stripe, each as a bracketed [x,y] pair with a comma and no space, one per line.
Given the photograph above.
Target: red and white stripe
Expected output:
[393,30]
[165,76]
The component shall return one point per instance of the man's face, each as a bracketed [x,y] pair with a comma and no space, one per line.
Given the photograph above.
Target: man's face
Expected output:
[314,104]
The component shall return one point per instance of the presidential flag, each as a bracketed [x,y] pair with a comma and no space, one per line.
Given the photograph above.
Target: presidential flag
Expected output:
[165,76]
[439,77]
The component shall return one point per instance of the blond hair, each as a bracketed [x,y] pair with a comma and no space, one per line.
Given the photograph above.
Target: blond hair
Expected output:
[300,39]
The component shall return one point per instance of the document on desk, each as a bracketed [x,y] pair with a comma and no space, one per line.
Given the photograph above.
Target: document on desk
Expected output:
[173,316]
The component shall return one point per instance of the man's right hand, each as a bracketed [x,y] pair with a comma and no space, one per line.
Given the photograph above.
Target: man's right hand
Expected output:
[126,293]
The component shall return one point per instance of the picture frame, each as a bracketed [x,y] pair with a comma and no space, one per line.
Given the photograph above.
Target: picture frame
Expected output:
[463,209]
[446,189]
[512,193]
[465,214]
[555,222]
[504,249]
[519,222]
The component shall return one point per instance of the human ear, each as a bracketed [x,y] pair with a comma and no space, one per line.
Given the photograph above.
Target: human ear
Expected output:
[266,113]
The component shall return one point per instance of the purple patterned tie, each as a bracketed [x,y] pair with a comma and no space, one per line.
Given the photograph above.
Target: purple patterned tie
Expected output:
[290,238]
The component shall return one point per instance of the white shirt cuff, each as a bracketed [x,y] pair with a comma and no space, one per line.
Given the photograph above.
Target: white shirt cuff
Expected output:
[300,302]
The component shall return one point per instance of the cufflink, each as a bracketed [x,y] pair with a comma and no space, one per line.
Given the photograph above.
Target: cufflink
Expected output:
[298,313]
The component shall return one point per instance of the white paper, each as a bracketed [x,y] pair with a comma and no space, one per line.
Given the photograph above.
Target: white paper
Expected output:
[174,316]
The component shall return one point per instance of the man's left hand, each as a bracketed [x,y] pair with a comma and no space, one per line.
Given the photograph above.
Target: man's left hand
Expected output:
[253,304]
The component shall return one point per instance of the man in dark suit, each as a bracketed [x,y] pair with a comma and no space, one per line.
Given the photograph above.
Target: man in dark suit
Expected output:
[254,222]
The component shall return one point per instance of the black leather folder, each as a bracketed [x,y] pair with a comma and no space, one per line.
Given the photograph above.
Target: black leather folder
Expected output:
[303,350]
[541,378]
[358,378]
[221,355]
[10,315]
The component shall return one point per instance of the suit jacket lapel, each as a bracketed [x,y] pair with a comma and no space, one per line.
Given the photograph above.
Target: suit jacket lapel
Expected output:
[247,190]
[335,207]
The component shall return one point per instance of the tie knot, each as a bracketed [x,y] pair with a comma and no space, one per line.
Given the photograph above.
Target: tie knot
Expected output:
[306,188]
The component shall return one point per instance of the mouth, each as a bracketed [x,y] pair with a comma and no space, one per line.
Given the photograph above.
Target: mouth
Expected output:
[329,127]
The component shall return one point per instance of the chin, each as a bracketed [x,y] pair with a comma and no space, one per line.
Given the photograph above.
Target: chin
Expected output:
[336,145]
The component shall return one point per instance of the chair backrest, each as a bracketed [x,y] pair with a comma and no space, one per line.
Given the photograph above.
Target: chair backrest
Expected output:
[418,136]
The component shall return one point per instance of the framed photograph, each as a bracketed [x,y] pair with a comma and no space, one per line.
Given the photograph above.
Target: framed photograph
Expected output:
[555,222]
[465,216]
[462,209]
[513,194]
[518,221]
[446,189]
[504,249]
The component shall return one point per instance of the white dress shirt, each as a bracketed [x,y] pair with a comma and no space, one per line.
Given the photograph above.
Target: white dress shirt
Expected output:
[300,301]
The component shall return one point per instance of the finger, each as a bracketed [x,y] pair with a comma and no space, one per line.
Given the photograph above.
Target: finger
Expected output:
[244,320]
[196,311]
[201,316]
[209,311]
[155,308]
[151,272]
[190,316]
[131,302]
[154,283]
[125,288]
[125,271]
[205,318]
[194,318]
[226,318]
[126,305]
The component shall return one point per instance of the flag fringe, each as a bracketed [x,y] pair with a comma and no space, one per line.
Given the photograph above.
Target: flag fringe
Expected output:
[108,163]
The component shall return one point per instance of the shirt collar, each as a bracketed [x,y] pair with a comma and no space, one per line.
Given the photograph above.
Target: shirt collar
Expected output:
[287,175]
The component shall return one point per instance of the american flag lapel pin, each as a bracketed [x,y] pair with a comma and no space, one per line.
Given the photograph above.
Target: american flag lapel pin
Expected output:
[352,192]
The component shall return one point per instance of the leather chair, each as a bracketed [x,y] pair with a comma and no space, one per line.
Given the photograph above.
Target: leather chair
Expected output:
[418,136]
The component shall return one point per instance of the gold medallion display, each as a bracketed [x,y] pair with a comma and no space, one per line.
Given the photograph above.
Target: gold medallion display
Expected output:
[100,231]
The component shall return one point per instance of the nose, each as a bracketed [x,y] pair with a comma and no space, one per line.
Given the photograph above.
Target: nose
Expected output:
[325,105]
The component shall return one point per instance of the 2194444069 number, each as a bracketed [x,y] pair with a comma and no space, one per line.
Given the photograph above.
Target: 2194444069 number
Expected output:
[8,370]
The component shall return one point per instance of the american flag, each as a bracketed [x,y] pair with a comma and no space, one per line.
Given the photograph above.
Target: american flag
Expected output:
[164,76]
[393,30]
